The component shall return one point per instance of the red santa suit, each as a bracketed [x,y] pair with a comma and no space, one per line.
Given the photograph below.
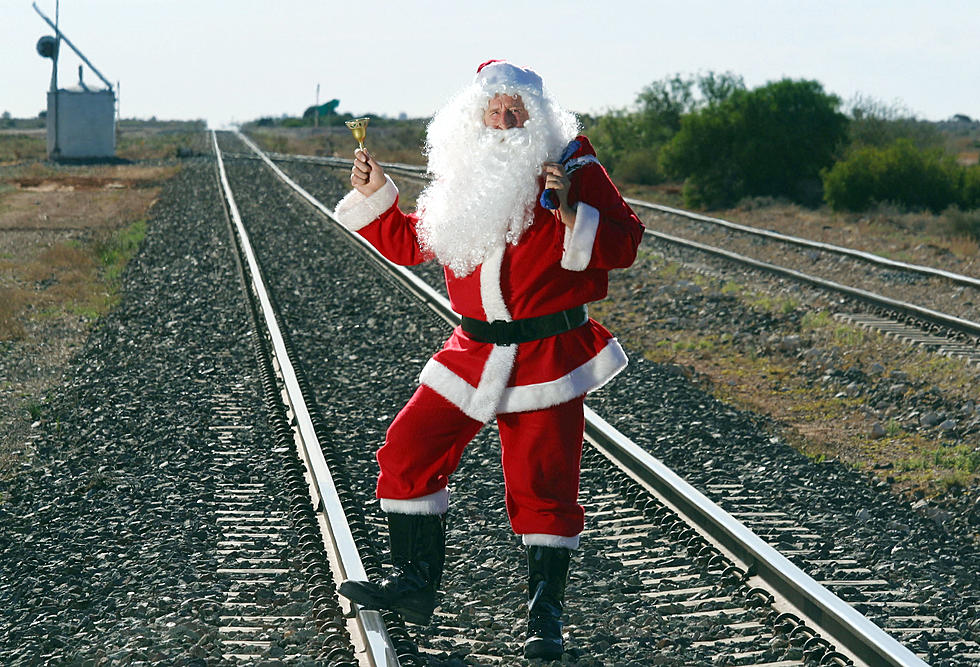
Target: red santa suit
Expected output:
[535,389]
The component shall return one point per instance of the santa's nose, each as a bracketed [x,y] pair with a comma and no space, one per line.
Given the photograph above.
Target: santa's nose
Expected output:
[508,120]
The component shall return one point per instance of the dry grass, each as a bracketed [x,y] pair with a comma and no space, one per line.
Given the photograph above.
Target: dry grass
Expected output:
[55,205]
[814,416]
[59,220]
[387,144]
[920,238]
[12,300]
[134,141]
[63,278]
[17,147]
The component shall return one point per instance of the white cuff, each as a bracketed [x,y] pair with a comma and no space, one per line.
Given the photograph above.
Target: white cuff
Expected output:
[356,211]
[434,503]
[544,540]
[579,242]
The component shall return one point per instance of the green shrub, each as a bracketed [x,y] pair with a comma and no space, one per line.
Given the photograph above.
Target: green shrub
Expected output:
[970,198]
[964,223]
[773,140]
[900,173]
[875,123]
[628,141]
[639,166]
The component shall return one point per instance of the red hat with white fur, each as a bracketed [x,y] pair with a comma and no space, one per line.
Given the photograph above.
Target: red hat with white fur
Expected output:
[499,76]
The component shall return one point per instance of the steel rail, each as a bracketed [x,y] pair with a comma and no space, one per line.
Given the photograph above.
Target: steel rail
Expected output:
[846,625]
[959,278]
[807,243]
[855,632]
[950,321]
[379,648]
[409,280]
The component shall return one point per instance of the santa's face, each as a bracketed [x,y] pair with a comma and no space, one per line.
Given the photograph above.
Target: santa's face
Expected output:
[486,181]
[505,112]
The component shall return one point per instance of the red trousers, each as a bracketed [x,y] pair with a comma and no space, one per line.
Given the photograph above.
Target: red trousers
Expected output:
[541,453]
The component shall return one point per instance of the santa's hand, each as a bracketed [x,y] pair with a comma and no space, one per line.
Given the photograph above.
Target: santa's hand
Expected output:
[366,176]
[556,180]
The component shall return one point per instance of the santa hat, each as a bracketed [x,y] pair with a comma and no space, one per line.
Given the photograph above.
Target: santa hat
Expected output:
[499,76]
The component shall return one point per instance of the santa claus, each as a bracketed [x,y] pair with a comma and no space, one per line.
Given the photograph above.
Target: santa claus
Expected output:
[527,225]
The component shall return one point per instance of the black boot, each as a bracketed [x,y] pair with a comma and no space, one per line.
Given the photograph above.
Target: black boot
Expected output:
[547,569]
[418,553]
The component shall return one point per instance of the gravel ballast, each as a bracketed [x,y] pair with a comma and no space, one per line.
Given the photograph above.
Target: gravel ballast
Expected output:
[108,547]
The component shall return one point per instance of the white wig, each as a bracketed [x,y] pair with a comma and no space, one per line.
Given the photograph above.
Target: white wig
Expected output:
[485,182]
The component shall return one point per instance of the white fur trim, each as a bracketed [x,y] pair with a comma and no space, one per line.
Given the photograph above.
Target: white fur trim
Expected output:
[503,75]
[492,297]
[545,540]
[577,163]
[356,211]
[479,403]
[483,403]
[434,503]
[578,243]
[588,377]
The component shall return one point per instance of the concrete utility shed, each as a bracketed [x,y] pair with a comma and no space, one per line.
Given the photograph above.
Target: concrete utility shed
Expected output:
[81,122]
[81,119]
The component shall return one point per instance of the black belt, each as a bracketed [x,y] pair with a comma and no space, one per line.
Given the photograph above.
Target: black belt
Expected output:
[500,332]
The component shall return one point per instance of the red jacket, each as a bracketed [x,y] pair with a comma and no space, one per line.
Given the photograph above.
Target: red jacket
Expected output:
[549,270]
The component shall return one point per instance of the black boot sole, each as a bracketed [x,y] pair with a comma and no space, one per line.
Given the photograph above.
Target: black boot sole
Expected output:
[364,595]
[543,649]
[361,593]
[414,616]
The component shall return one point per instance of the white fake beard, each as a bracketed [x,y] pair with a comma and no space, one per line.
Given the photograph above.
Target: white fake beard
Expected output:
[486,199]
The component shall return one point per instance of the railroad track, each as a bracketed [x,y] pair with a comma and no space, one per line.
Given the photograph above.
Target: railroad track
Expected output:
[944,332]
[680,561]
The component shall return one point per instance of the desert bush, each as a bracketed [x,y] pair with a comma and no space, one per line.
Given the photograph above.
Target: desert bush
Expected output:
[613,135]
[901,173]
[875,123]
[773,140]
[963,223]
[970,197]
[640,167]
[628,141]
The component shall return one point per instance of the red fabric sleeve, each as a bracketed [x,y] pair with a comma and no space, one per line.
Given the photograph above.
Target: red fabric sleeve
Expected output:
[619,231]
[394,235]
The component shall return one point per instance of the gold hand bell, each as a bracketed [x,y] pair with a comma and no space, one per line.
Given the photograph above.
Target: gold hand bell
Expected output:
[358,127]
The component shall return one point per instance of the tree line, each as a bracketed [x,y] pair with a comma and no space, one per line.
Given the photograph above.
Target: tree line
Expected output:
[787,139]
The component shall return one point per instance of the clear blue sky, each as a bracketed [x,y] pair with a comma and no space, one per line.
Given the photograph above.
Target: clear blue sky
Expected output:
[229,61]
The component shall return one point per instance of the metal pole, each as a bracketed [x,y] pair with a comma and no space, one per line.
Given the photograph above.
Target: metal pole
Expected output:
[54,76]
[316,108]
[61,36]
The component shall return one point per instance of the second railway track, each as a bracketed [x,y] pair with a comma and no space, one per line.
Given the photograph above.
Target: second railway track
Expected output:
[691,620]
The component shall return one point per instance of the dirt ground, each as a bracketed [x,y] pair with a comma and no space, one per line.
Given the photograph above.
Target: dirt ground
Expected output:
[65,233]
